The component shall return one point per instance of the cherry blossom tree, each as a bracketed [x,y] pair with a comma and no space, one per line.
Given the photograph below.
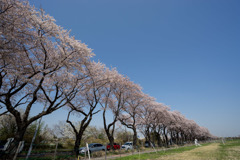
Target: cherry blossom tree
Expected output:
[63,130]
[86,98]
[146,117]
[113,99]
[178,122]
[132,110]
[160,122]
[40,64]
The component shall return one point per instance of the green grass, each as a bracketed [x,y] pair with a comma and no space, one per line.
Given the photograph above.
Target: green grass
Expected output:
[213,151]
[231,150]
[154,155]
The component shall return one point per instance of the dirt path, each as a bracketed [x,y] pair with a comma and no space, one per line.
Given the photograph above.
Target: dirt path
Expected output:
[200,153]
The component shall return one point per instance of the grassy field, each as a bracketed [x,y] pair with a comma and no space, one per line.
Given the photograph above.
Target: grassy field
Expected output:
[211,151]
[231,150]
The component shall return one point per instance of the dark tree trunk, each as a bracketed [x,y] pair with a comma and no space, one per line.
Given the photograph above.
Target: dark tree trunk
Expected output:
[178,139]
[107,128]
[79,133]
[166,140]
[183,138]
[134,137]
[78,142]
[166,137]
[171,137]
[110,136]
[11,150]
[148,136]
[111,140]
[159,140]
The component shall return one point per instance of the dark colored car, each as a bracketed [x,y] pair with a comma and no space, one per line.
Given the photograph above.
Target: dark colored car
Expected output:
[2,143]
[149,144]
[115,146]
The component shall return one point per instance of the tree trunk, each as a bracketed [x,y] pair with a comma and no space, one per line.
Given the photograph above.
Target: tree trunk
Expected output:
[183,138]
[148,136]
[107,129]
[159,140]
[171,137]
[77,143]
[111,140]
[166,137]
[134,137]
[11,150]
[178,139]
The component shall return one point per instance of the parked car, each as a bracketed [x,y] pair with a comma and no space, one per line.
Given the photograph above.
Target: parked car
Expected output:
[93,147]
[149,144]
[115,146]
[127,146]
[2,143]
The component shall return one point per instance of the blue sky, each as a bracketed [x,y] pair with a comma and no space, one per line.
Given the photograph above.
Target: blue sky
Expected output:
[185,53]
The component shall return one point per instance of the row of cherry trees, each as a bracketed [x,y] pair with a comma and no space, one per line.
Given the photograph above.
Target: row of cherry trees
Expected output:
[43,68]
[157,121]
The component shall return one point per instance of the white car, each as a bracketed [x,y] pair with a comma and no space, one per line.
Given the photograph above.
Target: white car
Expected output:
[127,146]
[93,147]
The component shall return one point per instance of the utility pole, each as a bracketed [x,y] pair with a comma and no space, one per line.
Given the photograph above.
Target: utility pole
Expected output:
[35,134]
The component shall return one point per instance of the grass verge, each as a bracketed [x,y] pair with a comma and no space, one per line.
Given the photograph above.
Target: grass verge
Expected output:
[154,155]
[229,150]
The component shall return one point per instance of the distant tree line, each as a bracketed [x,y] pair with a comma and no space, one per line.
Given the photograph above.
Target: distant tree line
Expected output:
[42,66]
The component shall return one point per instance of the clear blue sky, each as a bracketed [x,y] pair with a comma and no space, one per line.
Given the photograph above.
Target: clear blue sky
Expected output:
[185,53]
